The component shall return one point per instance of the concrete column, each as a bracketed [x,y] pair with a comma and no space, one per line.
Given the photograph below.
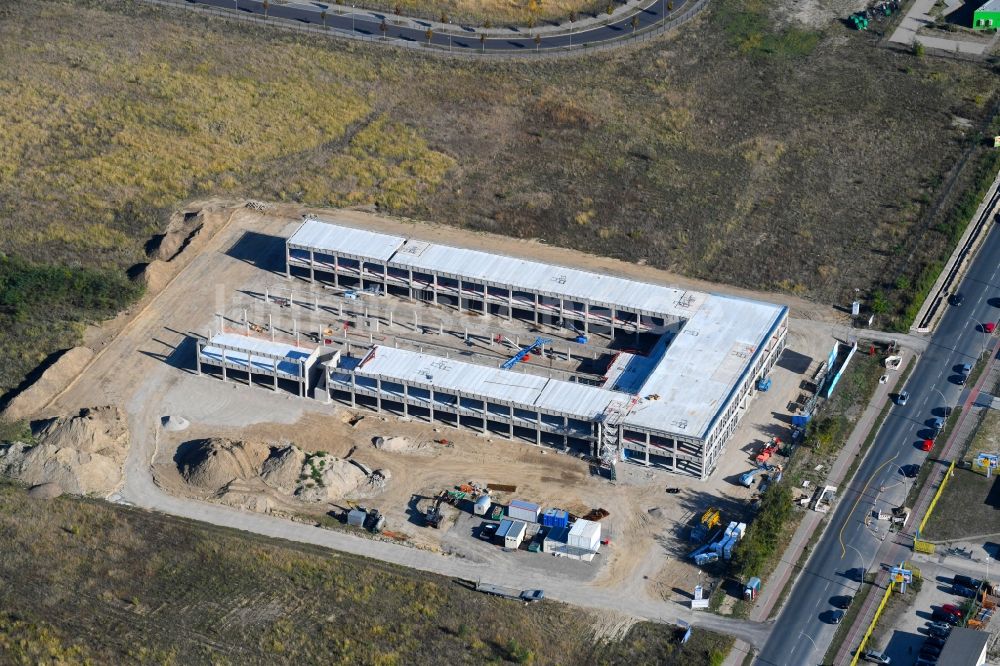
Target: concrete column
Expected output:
[538,419]
[510,304]
[565,432]
[223,364]
[485,427]
[675,454]
[288,262]
[197,355]
[410,283]
[647,449]
[432,404]
[536,308]
[274,366]
[336,271]
[354,390]
[510,423]
[378,395]
[302,379]
[460,295]
[406,399]
[312,266]
[434,287]
[586,318]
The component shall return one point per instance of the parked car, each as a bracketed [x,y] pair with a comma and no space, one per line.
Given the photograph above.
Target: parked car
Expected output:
[927,445]
[963,591]
[956,299]
[966,368]
[876,657]
[836,617]
[952,609]
[929,651]
[936,640]
[902,398]
[939,629]
[937,424]
[939,616]
[925,662]
[967,581]
[911,471]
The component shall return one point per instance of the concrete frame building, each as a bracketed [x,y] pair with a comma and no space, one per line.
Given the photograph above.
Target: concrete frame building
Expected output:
[262,362]
[675,407]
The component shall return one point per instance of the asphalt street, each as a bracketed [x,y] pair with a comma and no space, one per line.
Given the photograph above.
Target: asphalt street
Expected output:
[368,23]
[848,545]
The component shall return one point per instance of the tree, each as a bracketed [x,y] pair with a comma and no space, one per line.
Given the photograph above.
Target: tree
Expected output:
[397,9]
[880,305]
[572,16]
[267,5]
[429,35]
[538,40]
[670,6]
[482,41]
[384,27]
[611,8]
[322,15]
[634,22]
[444,18]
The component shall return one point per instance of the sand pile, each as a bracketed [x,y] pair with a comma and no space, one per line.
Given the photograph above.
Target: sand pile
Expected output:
[327,477]
[175,423]
[395,444]
[283,468]
[45,491]
[253,475]
[213,463]
[82,454]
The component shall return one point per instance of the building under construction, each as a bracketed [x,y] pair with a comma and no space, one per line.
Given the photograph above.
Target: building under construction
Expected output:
[674,405]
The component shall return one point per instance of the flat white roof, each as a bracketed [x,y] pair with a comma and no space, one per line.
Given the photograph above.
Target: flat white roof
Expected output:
[251,347]
[320,235]
[495,384]
[555,281]
[703,365]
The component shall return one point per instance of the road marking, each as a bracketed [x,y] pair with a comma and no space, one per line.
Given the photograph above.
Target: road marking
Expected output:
[840,536]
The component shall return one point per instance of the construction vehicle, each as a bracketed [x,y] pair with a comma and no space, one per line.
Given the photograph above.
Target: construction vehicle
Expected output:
[752,589]
[709,520]
[747,478]
[858,21]
[524,353]
[763,384]
[769,450]
[433,515]
[375,521]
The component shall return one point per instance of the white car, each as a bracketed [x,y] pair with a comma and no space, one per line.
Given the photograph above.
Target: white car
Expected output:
[902,398]
[876,657]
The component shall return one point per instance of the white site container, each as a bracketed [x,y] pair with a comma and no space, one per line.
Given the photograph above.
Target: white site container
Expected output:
[585,534]
[515,535]
[521,510]
[482,505]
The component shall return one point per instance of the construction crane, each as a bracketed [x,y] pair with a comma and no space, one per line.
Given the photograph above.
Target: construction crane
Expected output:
[524,351]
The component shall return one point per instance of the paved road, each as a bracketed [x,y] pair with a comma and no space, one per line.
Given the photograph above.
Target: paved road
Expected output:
[458,38]
[847,543]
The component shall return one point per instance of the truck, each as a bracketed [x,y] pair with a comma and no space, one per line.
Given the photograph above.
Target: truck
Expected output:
[527,596]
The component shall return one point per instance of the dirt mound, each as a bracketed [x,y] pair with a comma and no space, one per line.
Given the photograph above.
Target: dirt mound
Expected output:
[181,230]
[213,463]
[45,491]
[76,472]
[81,454]
[241,495]
[395,444]
[175,423]
[327,478]
[99,430]
[55,378]
[283,468]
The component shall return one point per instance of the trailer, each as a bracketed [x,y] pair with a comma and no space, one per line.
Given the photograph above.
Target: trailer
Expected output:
[527,596]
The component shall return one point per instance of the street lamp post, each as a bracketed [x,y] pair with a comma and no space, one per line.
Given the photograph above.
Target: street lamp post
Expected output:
[352,19]
[802,633]
[861,561]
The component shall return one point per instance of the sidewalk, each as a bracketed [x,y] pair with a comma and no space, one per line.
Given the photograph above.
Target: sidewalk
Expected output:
[788,568]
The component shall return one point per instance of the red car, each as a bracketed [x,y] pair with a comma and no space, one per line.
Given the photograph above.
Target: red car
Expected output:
[927,445]
[952,609]
[989,327]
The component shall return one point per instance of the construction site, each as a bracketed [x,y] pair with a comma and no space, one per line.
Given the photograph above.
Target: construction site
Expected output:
[597,432]
[612,368]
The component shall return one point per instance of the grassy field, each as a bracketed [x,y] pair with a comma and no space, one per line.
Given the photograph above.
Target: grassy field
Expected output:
[88,582]
[798,159]
[970,503]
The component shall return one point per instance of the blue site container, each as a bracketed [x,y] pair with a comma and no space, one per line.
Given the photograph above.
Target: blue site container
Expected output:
[555,518]
[581,339]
